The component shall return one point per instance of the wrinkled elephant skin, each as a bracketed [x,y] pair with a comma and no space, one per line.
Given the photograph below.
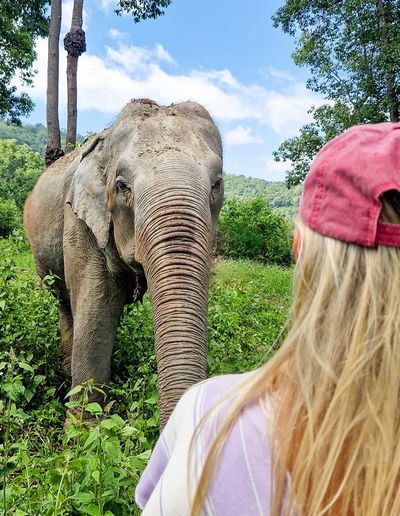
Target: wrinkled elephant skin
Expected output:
[134,207]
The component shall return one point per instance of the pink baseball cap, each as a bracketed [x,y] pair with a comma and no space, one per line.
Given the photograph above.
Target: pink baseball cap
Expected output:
[342,191]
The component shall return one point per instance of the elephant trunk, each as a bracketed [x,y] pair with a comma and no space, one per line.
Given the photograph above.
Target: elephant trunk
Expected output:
[173,243]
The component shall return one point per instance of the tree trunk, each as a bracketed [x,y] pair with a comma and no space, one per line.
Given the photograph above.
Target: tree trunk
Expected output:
[75,45]
[392,99]
[53,149]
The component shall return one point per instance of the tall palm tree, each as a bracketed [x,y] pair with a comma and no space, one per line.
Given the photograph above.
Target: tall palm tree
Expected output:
[53,149]
[75,45]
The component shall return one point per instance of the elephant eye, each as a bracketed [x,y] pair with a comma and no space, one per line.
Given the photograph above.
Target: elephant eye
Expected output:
[120,185]
[216,187]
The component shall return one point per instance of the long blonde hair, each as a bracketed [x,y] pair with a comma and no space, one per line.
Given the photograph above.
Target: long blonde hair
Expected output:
[334,384]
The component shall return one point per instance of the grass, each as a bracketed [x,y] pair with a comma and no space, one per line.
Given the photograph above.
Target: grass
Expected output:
[48,471]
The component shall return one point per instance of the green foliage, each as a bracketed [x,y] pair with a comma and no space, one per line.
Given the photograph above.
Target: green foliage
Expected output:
[247,314]
[33,135]
[28,314]
[352,49]
[252,230]
[19,170]
[94,470]
[20,24]
[142,9]
[279,197]
[10,217]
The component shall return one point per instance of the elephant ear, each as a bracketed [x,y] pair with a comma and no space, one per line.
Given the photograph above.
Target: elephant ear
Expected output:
[87,193]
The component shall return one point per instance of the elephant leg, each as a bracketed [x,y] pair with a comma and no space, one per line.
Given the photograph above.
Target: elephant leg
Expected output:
[96,317]
[97,296]
[67,329]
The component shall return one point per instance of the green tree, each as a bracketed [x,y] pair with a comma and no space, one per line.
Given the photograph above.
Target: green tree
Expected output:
[282,200]
[10,217]
[250,229]
[33,135]
[19,170]
[352,48]
[20,24]
[142,9]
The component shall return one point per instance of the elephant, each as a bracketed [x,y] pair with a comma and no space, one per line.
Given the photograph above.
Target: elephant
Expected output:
[134,208]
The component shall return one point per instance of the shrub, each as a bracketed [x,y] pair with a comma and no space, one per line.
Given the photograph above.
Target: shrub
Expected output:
[251,230]
[19,170]
[10,217]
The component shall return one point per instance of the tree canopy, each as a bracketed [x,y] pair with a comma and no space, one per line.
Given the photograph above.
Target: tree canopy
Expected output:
[19,169]
[142,9]
[20,24]
[352,48]
[250,229]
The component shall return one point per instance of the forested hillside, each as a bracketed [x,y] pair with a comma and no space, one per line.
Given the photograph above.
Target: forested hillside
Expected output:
[33,135]
[283,200]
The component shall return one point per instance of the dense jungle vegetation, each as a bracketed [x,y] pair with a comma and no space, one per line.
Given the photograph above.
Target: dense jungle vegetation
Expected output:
[48,471]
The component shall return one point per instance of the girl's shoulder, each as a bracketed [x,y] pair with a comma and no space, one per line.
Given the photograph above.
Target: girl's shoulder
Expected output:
[213,398]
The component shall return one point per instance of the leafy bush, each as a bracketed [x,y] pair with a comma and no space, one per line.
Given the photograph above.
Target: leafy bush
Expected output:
[19,169]
[94,470]
[252,230]
[10,217]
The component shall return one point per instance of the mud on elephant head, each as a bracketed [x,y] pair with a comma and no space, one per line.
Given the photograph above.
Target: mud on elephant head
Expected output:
[135,206]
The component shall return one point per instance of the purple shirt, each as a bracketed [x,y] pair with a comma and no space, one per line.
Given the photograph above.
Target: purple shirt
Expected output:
[242,482]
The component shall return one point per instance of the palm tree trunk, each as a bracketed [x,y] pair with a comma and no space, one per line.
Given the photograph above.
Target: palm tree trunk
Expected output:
[53,149]
[75,45]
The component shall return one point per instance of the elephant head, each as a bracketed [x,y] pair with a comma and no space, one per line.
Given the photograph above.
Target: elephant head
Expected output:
[151,186]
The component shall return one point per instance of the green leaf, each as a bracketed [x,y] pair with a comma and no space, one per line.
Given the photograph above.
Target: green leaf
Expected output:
[93,408]
[91,509]
[96,476]
[109,424]
[92,436]
[76,464]
[26,367]
[54,477]
[74,390]
[39,379]
[84,498]
[112,450]
[118,419]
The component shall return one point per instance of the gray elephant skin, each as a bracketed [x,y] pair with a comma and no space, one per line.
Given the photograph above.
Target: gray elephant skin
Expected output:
[134,208]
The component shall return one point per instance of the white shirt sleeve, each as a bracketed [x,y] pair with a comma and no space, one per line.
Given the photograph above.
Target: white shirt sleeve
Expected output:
[164,487]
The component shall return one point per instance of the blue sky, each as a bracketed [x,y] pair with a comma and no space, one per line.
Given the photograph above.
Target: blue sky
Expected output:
[213,51]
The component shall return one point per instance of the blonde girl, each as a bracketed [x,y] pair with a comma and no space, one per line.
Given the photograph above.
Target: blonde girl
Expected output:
[316,430]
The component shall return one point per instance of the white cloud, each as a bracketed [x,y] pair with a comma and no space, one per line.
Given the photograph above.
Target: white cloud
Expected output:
[285,75]
[276,170]
[134,59]
[117,34]
[241,136]
[107,83]
[162,54]
[106,4]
